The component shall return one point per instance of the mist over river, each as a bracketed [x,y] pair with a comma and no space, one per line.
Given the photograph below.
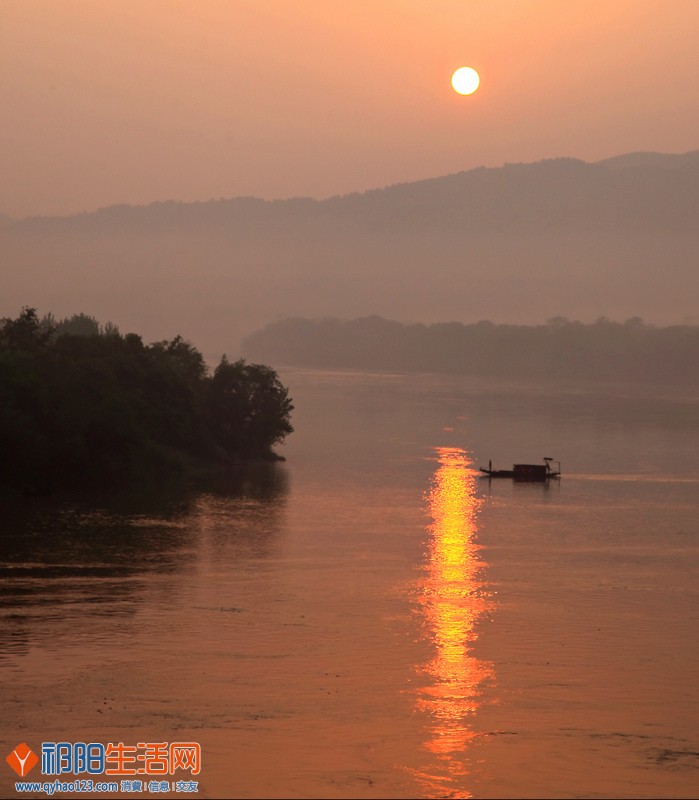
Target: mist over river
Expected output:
[372,618]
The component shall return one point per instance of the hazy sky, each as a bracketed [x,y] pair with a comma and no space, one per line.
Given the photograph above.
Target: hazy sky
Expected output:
[130,101]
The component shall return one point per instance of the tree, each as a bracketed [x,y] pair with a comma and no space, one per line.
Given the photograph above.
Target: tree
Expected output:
[26,333]
[183,357]
[90,407]
[248,408]
[78,325]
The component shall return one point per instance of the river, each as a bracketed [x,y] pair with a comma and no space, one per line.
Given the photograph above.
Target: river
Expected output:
[373,619]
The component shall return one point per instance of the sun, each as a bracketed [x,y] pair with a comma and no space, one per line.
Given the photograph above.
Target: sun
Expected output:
[465,80]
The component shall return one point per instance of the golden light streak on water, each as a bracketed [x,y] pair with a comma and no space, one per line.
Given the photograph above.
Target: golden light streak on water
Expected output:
[452,599]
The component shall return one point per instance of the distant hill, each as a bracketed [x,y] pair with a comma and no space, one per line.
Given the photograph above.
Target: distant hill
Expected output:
[603,351]
[519,243]
[659,160]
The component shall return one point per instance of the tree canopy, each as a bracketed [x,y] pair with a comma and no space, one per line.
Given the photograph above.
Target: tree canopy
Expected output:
[82,405]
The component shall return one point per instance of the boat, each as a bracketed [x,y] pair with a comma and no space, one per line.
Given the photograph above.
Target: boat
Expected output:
[525,472]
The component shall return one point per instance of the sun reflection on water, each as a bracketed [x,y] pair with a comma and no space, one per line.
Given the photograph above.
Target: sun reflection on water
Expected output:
[452,598]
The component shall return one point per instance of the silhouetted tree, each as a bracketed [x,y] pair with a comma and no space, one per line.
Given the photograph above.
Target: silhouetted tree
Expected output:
[24,333]
[78,325]
[95,407]
[248,408]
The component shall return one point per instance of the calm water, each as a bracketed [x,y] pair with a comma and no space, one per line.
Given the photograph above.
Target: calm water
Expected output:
[371,618]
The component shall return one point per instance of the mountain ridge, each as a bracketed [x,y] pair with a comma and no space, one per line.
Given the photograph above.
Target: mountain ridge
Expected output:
[517,243]
[638,159]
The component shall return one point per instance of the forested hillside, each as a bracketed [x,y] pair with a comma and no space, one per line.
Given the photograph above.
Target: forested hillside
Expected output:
[602,351]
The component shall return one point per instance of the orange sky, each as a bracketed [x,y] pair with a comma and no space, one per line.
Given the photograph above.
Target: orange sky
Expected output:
[111,101]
